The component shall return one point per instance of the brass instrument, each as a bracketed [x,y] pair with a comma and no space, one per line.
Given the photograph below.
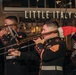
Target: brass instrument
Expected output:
[36,36]
[4,28]
[26,40]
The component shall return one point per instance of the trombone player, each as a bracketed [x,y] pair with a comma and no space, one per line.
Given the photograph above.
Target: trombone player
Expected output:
[9,35]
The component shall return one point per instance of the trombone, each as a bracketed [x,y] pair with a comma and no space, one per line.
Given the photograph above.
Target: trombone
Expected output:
[26,40]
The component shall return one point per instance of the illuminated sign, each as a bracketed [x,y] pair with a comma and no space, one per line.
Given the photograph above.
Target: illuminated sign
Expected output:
[47,14]
[42,13]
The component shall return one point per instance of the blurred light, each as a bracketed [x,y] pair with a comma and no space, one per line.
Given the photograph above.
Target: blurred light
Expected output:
[58,1]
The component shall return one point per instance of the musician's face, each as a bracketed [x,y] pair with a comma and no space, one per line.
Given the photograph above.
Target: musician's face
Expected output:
[8,22]
[46,29]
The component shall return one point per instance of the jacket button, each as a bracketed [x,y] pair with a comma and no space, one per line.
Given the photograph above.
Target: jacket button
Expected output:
[14,62]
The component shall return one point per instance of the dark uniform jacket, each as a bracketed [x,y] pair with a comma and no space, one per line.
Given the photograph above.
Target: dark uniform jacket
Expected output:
[14,65]
[53,55]
[33,59]
[1,59]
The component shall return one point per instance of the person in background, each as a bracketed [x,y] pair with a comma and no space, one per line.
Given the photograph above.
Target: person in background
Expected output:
[73,55]
[66,30]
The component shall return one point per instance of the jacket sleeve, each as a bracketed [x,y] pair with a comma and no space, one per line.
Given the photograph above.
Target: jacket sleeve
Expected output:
[30,55]
[51,55]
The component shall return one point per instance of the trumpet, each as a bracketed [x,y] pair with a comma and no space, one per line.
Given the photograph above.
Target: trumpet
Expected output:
[27,40]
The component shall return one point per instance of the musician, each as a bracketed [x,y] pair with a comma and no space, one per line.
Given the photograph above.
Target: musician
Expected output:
[13,65]
[53,51]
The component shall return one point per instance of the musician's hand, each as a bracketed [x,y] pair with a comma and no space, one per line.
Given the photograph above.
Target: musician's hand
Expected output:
[14,52]
[39,40]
